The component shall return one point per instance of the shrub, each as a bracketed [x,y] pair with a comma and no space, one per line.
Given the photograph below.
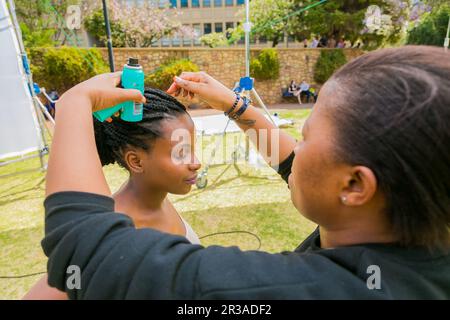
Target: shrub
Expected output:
[214,40]
[266,66]
[62,68]
[162,77]
[327,63]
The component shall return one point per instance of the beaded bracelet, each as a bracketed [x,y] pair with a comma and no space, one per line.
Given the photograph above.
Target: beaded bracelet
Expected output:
[238,97]
[245,104]
[241,110]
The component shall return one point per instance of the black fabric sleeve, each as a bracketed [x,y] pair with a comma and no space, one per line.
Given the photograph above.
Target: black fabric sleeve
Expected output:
[284,169]
[118,261]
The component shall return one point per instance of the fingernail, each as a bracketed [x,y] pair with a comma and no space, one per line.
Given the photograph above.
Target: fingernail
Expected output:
[179,80]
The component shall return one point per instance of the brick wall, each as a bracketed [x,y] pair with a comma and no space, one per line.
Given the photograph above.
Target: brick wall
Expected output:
[228,65]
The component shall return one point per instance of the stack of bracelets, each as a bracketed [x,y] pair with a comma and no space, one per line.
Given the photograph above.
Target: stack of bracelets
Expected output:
[236,115]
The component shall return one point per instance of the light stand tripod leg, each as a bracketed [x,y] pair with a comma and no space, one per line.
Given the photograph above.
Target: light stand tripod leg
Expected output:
[261,103]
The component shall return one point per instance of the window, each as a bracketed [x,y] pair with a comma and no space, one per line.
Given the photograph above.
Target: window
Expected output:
[195,3]
[176,41]
[218,3]
[184,3]
[239,2]
[228,25]
[173,3]
[218,27]
[229,3]
[207,3]
[198,33]
[206,28]
[165,42]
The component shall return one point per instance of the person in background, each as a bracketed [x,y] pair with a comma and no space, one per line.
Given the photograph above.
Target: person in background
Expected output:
[295,90]
[313,93]
[340,44]
[323,42]
[347,44]
[304,90]
[332,42]
[305,43]
[314,42]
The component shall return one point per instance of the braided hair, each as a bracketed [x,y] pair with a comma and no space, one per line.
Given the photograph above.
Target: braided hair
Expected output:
[113,137]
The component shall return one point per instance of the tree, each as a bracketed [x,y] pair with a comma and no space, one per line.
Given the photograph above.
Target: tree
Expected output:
[374,22]
[268,16]
[139,25]
[42,22]
[432,29]
[95,26]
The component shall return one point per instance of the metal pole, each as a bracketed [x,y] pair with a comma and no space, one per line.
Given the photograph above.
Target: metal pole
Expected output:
[247,28]
[108,36]
[446,42]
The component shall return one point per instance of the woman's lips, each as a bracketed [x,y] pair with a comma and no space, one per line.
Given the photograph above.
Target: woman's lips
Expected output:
[192,180]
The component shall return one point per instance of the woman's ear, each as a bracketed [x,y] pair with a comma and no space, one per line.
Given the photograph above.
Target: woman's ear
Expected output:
[360,186]
[133,160]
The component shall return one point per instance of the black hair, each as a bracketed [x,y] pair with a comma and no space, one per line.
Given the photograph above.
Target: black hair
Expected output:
[112,138]
[392,114]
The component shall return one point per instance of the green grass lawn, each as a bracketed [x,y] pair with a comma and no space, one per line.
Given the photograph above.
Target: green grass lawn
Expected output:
[242,198]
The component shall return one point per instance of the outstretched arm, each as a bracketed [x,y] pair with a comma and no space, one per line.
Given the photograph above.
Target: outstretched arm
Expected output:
[74,164]
[277,145]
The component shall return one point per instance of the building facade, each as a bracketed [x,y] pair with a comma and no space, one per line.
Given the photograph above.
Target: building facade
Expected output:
[204,16]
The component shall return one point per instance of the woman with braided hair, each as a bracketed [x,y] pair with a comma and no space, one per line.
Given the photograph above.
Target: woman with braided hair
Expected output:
[157,166]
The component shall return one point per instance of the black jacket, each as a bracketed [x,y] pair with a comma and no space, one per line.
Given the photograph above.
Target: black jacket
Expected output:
[118,261]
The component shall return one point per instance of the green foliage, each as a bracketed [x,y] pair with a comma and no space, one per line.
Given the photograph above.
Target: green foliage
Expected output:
[42,22]
[38,37]
[62,68]
[162,77]
[339,18]
[95,26]
[432,29]
[327,63]
[214,40]
[266,66]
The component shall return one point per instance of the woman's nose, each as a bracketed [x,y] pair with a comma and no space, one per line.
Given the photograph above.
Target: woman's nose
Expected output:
[195,164]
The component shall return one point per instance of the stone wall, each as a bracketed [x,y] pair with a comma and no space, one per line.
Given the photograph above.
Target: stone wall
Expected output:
[228,65]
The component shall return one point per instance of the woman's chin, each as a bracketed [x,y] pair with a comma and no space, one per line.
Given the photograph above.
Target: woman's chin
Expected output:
[182,190]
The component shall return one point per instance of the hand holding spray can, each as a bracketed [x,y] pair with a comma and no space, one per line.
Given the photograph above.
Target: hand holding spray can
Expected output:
[132,78]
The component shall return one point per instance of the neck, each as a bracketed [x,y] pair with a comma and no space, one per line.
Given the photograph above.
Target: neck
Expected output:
[359,233]
[144,198]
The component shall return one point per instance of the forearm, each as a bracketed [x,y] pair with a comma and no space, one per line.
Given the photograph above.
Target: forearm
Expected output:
[273,144]
[74,164]
[42,291]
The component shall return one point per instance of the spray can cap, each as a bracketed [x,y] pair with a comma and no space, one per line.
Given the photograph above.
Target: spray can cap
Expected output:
[133,62]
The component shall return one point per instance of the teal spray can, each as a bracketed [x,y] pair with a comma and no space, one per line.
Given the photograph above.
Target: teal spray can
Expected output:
[132,78]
